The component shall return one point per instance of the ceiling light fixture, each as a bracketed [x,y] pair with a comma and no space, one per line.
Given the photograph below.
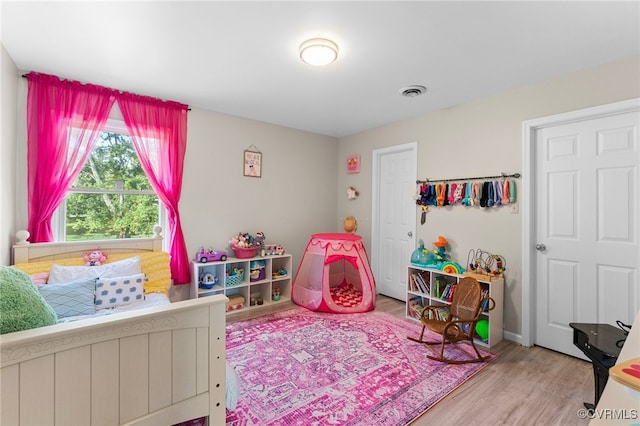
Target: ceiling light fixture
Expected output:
[318,51]
[413,91]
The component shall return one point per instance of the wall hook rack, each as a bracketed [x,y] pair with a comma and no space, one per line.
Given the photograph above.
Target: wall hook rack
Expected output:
[500,176]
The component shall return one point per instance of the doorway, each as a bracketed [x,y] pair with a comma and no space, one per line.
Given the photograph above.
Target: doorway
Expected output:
[393,226]
[581,252]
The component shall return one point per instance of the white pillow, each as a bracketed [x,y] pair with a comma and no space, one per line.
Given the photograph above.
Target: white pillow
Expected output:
[121,268]
[118,291]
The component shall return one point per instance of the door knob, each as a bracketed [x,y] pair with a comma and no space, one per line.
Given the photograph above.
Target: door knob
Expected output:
[410,234]
[541,247]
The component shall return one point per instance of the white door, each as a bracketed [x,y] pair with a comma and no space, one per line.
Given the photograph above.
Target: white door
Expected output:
[586,226]
[394,217]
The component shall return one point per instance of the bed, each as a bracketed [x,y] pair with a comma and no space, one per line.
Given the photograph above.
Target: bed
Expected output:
[160,365]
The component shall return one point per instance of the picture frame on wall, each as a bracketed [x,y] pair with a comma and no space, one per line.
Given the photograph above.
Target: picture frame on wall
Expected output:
[252,163]
[353,164]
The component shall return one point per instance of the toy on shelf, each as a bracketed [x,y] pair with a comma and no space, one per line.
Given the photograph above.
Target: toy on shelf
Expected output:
[421,256]
[279,273]
[245,245]
[95,258]
[482,264]
[451,268]
[437,259]
[482,329]
[273,250]
[276,294]
[257,270]
[235,303]
[210,255]
[256,299]
[235,276]
[259,240]
[207,281]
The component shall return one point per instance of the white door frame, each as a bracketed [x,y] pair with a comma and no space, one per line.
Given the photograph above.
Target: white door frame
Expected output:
[375,215]
[529,129]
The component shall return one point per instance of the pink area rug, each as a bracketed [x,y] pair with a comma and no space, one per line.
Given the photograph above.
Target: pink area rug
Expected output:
[299,367]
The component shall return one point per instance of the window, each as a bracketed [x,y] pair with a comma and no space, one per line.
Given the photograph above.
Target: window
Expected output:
[111,197]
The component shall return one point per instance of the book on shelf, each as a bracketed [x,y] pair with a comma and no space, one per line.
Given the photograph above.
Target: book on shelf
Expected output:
[440,285]
[440,314]
[453,290]
[485,300]
[424,283]
[421,284]
[412,283]
[415,285]
[415,307]
[442,292]
[447,293]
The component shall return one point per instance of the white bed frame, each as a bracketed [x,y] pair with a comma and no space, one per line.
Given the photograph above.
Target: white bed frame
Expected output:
[154,366]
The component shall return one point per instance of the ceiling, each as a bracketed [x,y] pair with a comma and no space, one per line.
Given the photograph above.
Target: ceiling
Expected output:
[241,58]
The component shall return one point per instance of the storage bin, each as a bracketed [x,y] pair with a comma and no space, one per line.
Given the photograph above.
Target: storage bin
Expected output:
[245,253]
[257,270]
[234,280]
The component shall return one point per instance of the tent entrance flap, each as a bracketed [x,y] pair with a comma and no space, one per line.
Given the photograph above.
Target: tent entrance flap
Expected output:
[337,257]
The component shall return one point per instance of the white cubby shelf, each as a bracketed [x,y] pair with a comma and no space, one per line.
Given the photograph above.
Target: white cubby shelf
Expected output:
[254,290]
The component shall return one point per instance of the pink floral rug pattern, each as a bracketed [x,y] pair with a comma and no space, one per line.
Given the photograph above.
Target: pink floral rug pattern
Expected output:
[299,367]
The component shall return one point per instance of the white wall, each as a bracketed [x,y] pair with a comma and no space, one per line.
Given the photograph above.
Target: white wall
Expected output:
[8,112]
[294,198]
[477,139]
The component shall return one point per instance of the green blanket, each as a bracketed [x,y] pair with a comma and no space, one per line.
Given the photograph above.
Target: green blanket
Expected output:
[21,305]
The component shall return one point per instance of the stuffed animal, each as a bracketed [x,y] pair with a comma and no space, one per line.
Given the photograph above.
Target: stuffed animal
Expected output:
[242,240]
[246,240]
[259,239]
[95,258]
[352,193]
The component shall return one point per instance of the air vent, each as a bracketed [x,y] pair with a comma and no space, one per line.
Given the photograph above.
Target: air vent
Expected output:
[413,91]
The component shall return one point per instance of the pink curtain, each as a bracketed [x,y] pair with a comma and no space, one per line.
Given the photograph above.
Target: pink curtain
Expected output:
[64,119]
[158,130]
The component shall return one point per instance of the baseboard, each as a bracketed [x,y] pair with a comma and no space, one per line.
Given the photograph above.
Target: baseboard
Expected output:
[513,337]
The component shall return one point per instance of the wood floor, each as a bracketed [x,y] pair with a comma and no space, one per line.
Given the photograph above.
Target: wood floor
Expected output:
[524,386]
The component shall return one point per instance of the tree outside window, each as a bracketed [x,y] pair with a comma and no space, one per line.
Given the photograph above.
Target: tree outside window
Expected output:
[112,197]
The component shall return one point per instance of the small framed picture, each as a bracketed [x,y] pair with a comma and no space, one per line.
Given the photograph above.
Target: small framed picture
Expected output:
[353,164]
[252,164]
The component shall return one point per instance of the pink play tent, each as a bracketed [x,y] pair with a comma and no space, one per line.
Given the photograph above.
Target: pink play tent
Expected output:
[334,275]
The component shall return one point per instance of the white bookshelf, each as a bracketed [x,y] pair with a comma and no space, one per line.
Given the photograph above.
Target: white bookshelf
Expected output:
[437,280]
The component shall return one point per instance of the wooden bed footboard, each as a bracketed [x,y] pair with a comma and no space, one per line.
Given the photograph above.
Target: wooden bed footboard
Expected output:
[154,366]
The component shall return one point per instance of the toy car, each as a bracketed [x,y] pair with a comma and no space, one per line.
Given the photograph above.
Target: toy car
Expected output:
[210,255]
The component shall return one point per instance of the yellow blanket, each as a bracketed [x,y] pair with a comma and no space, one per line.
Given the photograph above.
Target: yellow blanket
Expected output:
[155,265]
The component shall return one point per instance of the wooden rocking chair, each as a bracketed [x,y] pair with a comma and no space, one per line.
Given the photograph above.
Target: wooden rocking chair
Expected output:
[459,323]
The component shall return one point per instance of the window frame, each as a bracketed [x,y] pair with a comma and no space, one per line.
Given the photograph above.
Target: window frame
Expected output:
[58,220]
